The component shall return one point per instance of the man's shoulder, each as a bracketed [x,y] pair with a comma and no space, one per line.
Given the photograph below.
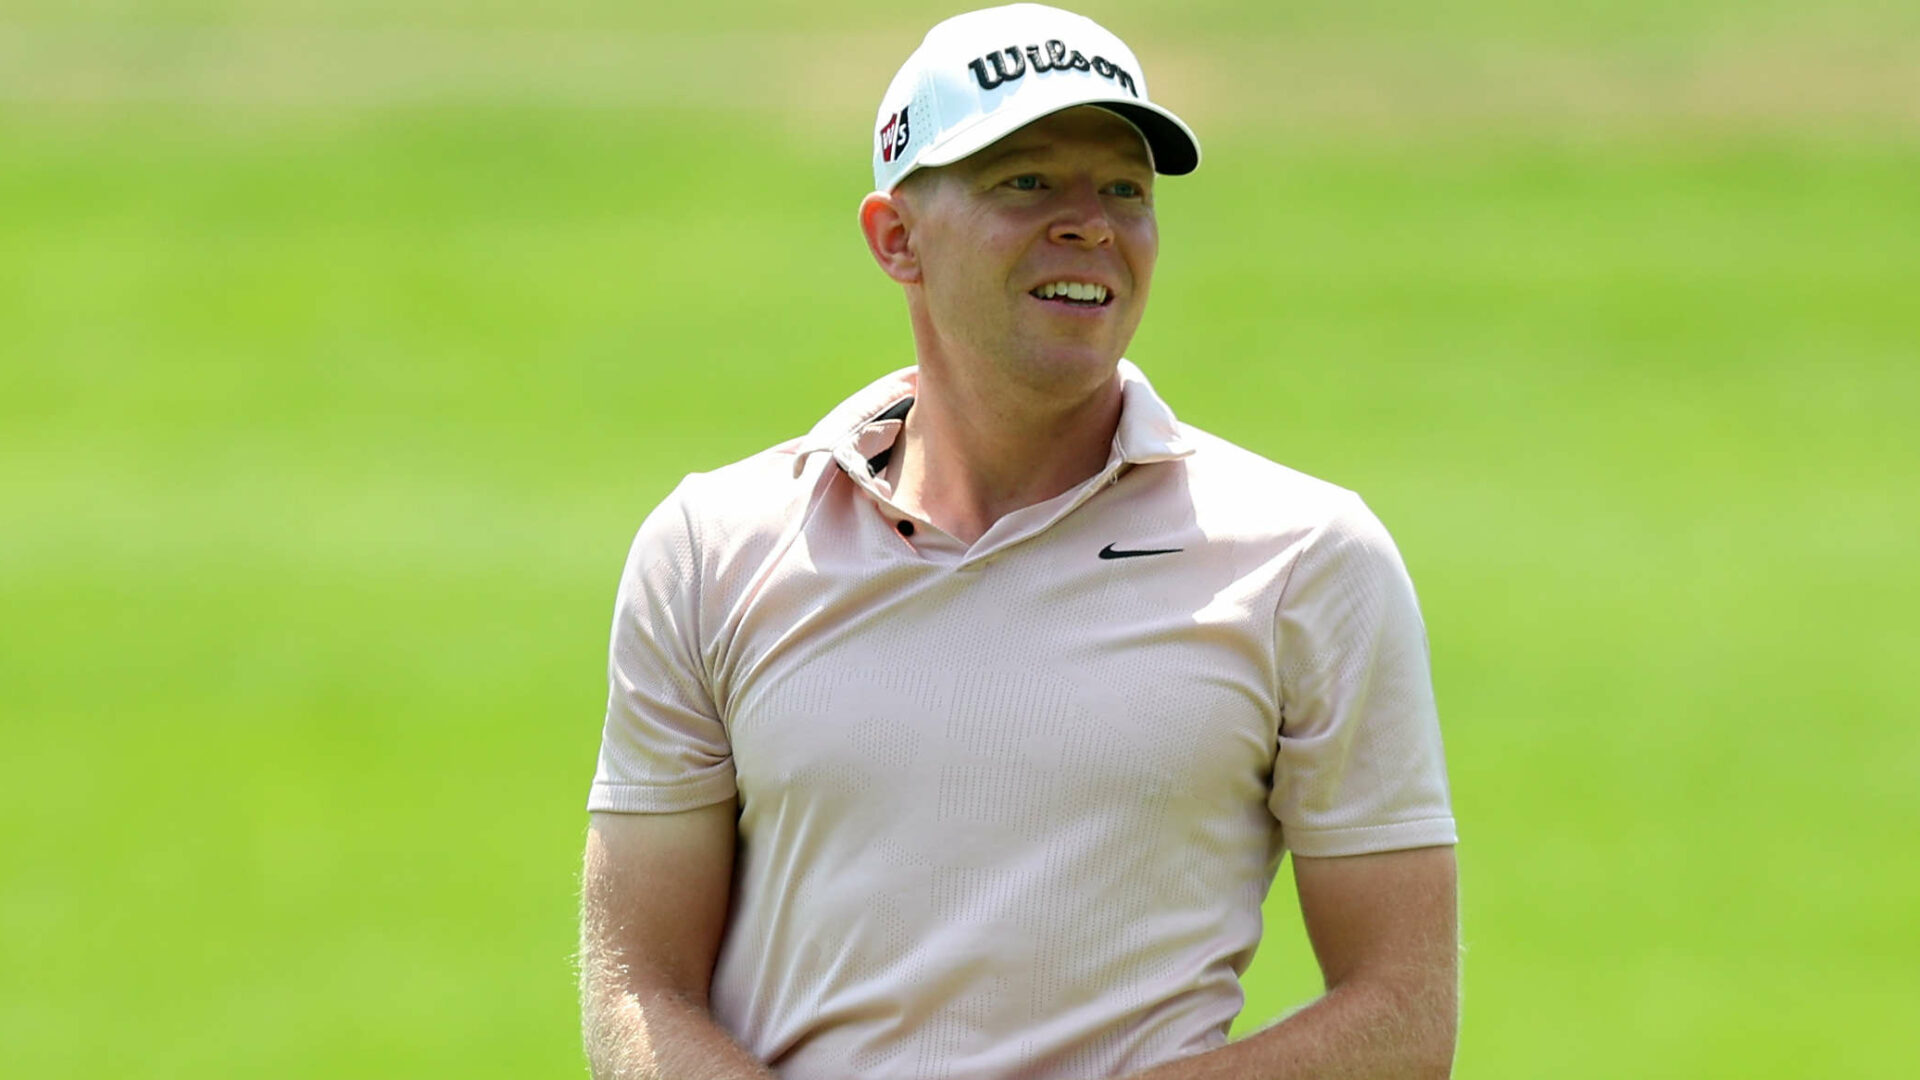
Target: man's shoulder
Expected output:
[1230,479]
[753,496]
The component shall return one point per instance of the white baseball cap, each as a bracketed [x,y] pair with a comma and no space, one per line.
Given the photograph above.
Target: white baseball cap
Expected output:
[981,76]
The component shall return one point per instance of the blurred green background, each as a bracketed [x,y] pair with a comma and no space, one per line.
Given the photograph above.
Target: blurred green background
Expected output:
[344,344]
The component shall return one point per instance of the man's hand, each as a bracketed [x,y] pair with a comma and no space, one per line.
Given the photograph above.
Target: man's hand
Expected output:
[653,904]
[1385,929]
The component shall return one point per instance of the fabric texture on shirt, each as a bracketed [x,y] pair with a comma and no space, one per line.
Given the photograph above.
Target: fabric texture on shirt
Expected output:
[1009,810]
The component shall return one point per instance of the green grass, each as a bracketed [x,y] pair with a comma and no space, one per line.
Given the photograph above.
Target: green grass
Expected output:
[323,433]
[1455,19]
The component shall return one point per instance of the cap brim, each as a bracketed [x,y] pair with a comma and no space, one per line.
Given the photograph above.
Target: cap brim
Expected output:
[1175,150]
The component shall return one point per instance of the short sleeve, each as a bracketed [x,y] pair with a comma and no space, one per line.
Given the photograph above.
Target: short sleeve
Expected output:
[1359,767]
[664,747]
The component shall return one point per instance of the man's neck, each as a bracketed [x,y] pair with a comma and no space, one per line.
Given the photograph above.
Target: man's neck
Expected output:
[971,454]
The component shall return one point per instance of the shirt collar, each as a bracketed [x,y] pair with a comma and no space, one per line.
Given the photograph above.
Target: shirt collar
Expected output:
[853,424]
[1148,429]
[853,432]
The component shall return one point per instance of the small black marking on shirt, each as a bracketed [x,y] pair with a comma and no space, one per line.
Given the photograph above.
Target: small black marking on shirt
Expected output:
[1110,552]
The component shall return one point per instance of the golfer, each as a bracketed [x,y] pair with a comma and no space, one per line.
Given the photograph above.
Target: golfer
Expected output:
[963,737]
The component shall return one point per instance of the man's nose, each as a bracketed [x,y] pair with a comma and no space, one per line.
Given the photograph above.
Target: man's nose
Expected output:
[1083,219]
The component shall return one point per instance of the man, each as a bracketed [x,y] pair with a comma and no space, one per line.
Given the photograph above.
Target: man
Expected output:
[962,738]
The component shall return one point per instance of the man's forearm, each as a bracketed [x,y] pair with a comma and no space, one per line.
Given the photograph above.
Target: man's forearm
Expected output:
[1357,1031]
[661,1036]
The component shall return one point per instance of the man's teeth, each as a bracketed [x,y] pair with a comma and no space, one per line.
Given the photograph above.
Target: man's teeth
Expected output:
[1073,290]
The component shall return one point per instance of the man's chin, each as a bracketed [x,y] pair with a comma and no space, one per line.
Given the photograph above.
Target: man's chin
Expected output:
[1069,370]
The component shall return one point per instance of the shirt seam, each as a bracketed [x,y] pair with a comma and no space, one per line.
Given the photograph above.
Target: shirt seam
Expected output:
[710,657]
[706,790]
[1279,605]
[699,607]
[1330,830]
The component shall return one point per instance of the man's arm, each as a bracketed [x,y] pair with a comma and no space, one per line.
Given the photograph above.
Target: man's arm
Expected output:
[1385,929]
[653,904]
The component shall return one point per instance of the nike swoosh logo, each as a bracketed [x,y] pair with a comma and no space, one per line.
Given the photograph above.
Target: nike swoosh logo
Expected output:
[1111,552]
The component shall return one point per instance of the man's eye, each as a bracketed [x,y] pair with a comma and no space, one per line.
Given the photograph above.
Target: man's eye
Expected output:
[1025,183]
[1127,189]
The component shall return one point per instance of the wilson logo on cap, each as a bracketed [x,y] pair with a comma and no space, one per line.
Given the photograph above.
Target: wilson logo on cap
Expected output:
[1053,56]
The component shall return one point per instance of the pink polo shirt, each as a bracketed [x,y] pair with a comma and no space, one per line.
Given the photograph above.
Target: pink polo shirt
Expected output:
[1008,811]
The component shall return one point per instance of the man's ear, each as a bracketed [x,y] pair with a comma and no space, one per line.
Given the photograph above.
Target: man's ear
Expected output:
[887,223]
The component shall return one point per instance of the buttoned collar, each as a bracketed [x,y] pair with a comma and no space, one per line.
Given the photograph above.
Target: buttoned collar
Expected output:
[860,428]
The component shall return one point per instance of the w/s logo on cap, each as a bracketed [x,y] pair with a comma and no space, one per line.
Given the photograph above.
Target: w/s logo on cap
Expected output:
[894,136]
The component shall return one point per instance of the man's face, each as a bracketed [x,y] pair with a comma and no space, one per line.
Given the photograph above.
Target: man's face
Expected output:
[1066,200]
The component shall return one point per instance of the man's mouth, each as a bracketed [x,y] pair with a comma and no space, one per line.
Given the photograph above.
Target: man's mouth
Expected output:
[1074,293]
